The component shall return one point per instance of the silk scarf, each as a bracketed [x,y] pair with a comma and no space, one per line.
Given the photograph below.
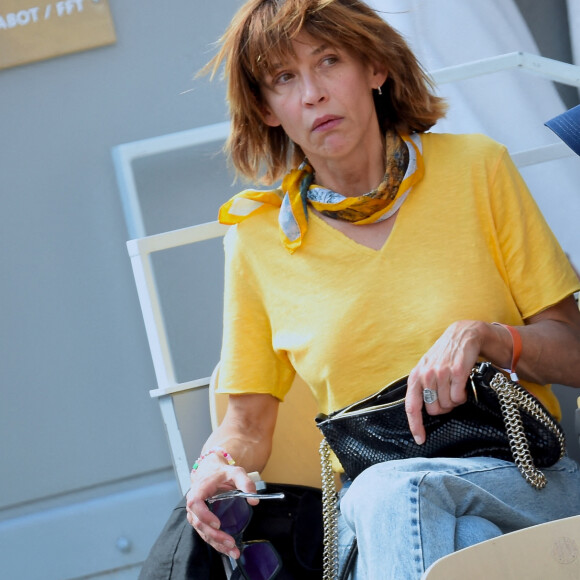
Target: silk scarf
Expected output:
[404,168]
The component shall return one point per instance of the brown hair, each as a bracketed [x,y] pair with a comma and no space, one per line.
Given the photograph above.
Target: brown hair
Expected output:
[262,32]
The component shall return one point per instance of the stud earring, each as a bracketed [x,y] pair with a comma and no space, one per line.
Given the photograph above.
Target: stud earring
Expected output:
[379,90]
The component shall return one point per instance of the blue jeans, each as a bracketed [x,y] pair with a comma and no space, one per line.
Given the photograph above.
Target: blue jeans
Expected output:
[408,513]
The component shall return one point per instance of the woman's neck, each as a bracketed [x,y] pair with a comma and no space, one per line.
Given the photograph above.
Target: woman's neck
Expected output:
[354,176]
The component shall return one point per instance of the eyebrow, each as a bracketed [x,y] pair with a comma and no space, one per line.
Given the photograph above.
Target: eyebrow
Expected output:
[318,50]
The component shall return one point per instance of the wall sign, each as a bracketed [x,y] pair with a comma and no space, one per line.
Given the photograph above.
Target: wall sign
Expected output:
[32,30]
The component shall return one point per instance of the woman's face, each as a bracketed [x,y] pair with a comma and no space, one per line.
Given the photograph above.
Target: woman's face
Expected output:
[322,97]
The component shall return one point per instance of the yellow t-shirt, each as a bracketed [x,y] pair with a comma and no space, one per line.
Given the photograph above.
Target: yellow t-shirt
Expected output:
[468,243]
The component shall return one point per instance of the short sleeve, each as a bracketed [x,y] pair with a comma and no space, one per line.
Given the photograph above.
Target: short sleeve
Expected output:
[248,362]
[538,271]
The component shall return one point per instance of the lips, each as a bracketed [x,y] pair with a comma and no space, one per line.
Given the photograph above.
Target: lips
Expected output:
[326,122]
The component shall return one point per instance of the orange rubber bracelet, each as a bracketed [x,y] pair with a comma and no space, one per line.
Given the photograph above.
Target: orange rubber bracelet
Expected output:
[516,349]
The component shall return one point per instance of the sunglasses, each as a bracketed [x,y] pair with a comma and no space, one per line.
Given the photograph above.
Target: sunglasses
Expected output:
[258,559]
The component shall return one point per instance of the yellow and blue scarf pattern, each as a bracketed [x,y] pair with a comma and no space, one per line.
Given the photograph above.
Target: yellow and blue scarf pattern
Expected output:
[404,169]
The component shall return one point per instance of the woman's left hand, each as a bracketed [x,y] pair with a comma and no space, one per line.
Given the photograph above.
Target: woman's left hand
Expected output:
[444,369]
[550,354]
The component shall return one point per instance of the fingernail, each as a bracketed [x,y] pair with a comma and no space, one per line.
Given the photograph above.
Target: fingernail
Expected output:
[215,525]
[418,439]
[233,554]
[229,544]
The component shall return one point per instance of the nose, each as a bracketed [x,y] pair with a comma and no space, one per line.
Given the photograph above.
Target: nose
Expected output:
[313,90]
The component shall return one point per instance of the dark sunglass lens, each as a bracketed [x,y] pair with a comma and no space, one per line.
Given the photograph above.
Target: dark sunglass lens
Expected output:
[259,561]
[234,514]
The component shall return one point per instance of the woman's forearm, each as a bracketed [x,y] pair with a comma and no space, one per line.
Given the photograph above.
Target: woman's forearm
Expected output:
[550,345]
[247,430]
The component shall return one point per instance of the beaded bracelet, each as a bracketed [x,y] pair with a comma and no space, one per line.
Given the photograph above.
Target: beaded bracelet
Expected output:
[217,450]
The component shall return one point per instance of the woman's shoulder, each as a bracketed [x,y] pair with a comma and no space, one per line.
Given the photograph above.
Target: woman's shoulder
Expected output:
[463,143]
[255,231]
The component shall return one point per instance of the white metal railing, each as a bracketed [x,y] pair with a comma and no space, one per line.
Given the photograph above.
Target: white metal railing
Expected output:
[140,251]
[554,70]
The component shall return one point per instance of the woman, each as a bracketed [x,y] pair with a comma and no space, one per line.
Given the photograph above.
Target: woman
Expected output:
[353,291]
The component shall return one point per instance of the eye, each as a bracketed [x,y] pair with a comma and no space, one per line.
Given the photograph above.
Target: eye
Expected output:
[283,78]
[329,60]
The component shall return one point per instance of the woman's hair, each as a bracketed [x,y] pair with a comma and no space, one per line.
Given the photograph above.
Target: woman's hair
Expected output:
[261,34]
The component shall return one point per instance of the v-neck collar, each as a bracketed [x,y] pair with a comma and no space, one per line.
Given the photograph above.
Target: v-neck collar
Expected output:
[356,245]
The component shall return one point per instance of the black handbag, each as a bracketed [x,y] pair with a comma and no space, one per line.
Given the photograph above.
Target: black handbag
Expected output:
[500,419]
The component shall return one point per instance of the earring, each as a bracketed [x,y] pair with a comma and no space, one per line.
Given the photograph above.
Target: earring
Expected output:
[379,90]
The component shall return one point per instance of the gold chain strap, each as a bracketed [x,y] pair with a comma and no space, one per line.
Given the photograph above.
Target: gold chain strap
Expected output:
[511,400]
[329,515]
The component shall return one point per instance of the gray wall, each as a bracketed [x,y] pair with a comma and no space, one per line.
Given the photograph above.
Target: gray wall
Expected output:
[76,420]
[85,464]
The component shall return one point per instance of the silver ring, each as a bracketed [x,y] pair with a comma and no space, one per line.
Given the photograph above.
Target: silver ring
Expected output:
[429,396]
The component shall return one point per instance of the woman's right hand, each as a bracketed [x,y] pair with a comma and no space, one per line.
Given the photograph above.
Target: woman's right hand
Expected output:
[246,431]
[215,476]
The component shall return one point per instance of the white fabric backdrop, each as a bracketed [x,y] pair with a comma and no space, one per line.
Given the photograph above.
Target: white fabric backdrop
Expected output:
[510,106]
[574,22]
